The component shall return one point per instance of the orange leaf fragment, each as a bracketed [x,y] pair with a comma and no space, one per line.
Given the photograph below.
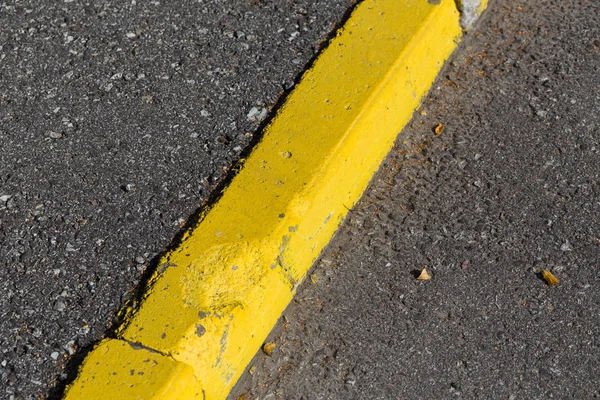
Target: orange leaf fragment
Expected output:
[549,278]
[268,348]
[439,128]
[424,276]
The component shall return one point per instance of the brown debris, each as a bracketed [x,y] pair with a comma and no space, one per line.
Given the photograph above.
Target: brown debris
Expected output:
[549,278]
[424,276]
[268,348]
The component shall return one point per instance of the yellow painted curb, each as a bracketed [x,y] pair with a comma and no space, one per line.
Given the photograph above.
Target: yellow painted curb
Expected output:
[214,299]
[121,370]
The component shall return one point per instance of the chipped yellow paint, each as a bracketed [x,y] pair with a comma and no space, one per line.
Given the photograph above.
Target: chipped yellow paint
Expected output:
[482,6]
[215,298]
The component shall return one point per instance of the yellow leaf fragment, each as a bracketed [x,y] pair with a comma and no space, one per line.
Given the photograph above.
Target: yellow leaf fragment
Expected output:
[268,348]
[549,278]
[439,128]
[424,275]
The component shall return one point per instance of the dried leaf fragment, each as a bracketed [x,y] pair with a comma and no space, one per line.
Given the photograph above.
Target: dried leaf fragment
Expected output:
[424,275]
[268,348]
[549,278]
[439,128]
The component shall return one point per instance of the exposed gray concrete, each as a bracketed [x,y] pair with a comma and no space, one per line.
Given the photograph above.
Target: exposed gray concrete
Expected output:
[509,188]
[469,12]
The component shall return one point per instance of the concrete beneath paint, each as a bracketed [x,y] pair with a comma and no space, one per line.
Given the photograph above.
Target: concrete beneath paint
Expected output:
[469,12]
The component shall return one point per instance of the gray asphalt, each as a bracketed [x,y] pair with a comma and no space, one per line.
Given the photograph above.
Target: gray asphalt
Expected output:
[508,189]
[118,120]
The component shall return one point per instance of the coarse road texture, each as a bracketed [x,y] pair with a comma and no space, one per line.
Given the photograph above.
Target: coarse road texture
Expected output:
[509,188]
[117,119]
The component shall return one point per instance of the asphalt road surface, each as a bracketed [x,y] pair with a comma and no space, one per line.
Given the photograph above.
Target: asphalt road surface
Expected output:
[117,121]
[510,188]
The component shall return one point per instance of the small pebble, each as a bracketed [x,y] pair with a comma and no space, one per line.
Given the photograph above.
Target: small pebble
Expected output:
[256,114]
[60,305]
[252,113]
[70,347]
[566,246]
[55,135]
[268,348]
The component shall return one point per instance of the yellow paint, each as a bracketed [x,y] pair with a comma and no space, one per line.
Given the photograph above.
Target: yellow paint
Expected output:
[217,296]
[482,6]
[118,370]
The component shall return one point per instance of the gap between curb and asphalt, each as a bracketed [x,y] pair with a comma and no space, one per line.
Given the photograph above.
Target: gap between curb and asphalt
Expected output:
[213,300]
